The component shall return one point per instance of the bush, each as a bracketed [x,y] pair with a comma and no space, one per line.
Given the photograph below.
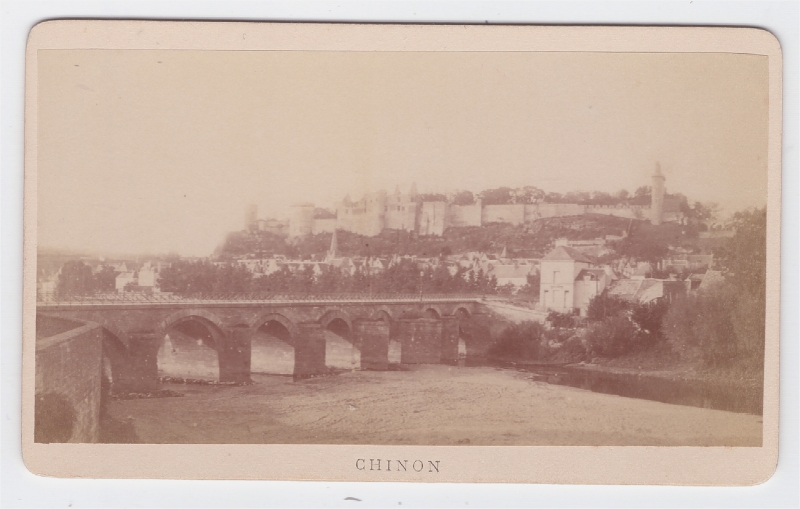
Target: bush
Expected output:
[719,326]
[649,319]
[558,320]
[613,337]
[604,305]
[522,340]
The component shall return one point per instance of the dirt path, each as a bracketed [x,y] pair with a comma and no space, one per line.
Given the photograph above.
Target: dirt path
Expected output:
[428,405]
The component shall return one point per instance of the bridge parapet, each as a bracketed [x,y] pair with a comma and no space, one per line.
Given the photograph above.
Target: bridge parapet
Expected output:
[44,299]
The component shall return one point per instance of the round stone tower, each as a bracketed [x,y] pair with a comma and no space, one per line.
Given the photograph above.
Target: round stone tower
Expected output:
[301,221]
[657,197]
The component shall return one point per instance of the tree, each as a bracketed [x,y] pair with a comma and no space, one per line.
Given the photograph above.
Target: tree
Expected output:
[603,305]
[464,198]
[185,277]
[499,196]
[745,256]
[522,340]
[704,212]
[75,278]
[622,194]
[613,337]
[700,326]
[532,287]
[106,279]
[557,319]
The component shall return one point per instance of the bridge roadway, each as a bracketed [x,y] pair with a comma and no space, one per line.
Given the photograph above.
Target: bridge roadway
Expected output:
[142,334]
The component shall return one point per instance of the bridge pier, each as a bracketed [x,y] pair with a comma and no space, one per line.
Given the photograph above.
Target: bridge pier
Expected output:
[374,340]
[309,351]
[450,336]
[234,355]
[143,356]
[421,340]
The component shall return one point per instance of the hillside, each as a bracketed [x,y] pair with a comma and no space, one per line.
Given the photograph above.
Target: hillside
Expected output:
[532,240]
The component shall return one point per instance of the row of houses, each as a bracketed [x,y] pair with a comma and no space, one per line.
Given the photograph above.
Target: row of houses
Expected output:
[570,279]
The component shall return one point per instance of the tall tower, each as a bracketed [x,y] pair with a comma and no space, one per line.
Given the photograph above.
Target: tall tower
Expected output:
[301,220]
[657,197]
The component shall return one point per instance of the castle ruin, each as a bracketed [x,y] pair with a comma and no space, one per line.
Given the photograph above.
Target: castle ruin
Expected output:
[378,211]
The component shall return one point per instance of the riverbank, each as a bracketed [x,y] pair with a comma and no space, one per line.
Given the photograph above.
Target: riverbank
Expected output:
[425,405]
[660,363]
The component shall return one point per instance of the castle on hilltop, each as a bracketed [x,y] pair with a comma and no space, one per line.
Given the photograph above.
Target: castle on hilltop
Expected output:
[378,211]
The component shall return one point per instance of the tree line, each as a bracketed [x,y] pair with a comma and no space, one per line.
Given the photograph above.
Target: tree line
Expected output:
[404,277]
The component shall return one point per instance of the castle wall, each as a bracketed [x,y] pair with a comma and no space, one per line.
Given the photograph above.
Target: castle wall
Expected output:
[323,225]
[513,213]
[560,209]
[465,215]
[401,215]
[432,218]
[628,212]
[375,213]
[344,218]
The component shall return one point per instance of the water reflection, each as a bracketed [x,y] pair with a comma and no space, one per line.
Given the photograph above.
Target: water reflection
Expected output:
[677,392]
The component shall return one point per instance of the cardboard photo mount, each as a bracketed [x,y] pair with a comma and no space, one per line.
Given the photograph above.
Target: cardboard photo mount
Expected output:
[504,464]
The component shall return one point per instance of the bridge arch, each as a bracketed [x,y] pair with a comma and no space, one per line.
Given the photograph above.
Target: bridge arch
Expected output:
[272,345]
[432,311]
[275,317]
[462,313]
[208,319]
[383,313]
[191,340]
[334,314]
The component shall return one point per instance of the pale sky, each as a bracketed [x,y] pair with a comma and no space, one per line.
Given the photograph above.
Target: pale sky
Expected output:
[156,151]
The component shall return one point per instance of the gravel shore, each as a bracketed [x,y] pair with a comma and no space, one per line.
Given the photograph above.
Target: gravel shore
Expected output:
[425,405]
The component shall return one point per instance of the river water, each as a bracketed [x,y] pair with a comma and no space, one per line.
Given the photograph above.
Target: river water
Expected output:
[677,392]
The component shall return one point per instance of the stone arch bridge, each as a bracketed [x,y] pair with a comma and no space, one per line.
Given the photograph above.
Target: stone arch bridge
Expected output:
[220,332]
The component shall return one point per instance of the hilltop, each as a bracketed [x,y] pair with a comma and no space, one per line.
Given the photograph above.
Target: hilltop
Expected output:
[531,240]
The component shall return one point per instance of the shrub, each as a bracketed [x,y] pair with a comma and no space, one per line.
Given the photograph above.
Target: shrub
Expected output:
[649,319]
[604,305]
[557,319]
[522,340]
[613,337]
[701,326]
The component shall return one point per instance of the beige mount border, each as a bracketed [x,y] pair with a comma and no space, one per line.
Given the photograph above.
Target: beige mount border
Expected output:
[585,465]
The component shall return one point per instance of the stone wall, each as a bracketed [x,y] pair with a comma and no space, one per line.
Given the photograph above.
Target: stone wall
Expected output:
[560,209]
[323,225]
[432,218]
[627,212]
[465,215]
[68,379]
[401,216]
[513,213]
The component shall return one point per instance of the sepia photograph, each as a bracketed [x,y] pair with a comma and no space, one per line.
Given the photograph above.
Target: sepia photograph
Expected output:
[402,248]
